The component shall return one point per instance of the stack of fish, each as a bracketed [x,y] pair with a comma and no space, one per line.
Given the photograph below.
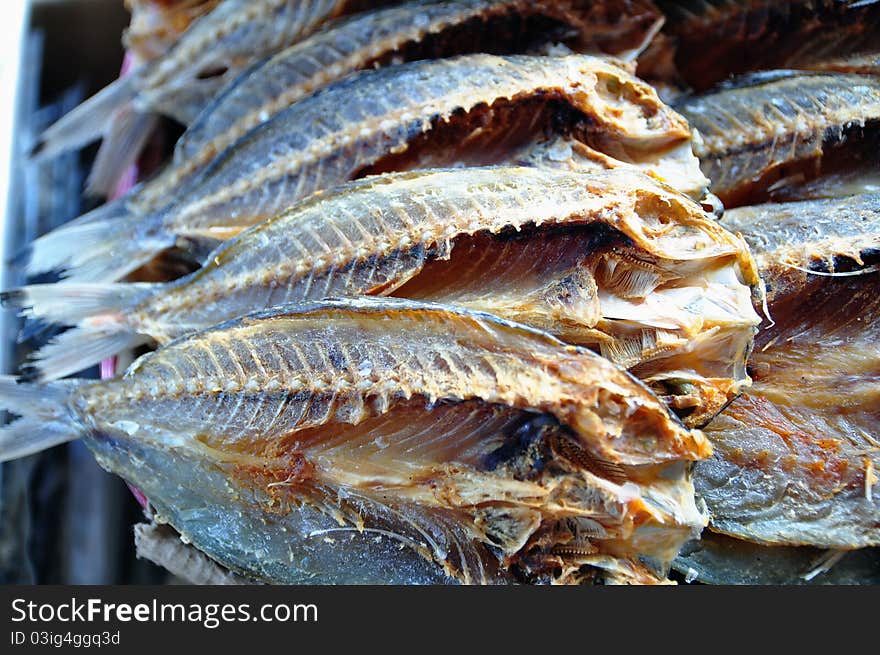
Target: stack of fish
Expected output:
[458,305]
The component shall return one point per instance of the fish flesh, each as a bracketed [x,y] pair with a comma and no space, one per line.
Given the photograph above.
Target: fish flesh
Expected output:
[473,110]
[768,131]
[415,30]
[796,456]
[156,26]
[613,261]
[211,53]
[427,29]
[794,243]
[673,166]
[710,40]
[845,170]
[720,560]
[387,441]
[862,63]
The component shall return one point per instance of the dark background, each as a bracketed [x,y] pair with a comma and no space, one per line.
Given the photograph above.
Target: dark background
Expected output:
[63,520]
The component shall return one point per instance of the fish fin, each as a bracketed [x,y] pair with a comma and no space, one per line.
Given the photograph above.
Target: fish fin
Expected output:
[87,122]
[118,209]
[97,250]
[45,418]
[53,255]
[128,132]
[79,348]
[98,312]
[439,535]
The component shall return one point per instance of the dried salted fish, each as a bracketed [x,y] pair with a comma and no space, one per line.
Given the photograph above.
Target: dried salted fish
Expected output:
[795,242]
[796,456]
[318,441]
[769,131]
[613,261]
[425,29]
[864,63]
[179,84]
[673,166]
[473,109]
[716,559]
[156,26]
[846,170]
[711,40]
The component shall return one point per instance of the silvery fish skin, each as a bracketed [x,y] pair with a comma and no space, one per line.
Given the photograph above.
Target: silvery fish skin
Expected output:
[613,261]
[759,132]
[714,39]
[794,242]
[415,30]
[796,456]
[834,184]
[231,37]
[384,440]
[720,560]
[472,110]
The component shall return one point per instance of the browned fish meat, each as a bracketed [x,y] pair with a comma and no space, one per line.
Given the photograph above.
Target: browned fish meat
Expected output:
[673,166]
[156,26]
[864,63]
[796,456]
[851,168]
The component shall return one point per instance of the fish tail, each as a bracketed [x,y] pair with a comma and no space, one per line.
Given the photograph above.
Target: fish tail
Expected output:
[98,313]
[125,138]
[88,121]
[102,249]
[45,419]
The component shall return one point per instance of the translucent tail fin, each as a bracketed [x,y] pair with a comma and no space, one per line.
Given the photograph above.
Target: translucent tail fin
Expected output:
[89,121]
[45,419]
[123,142]
[98,312]
[101,249]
